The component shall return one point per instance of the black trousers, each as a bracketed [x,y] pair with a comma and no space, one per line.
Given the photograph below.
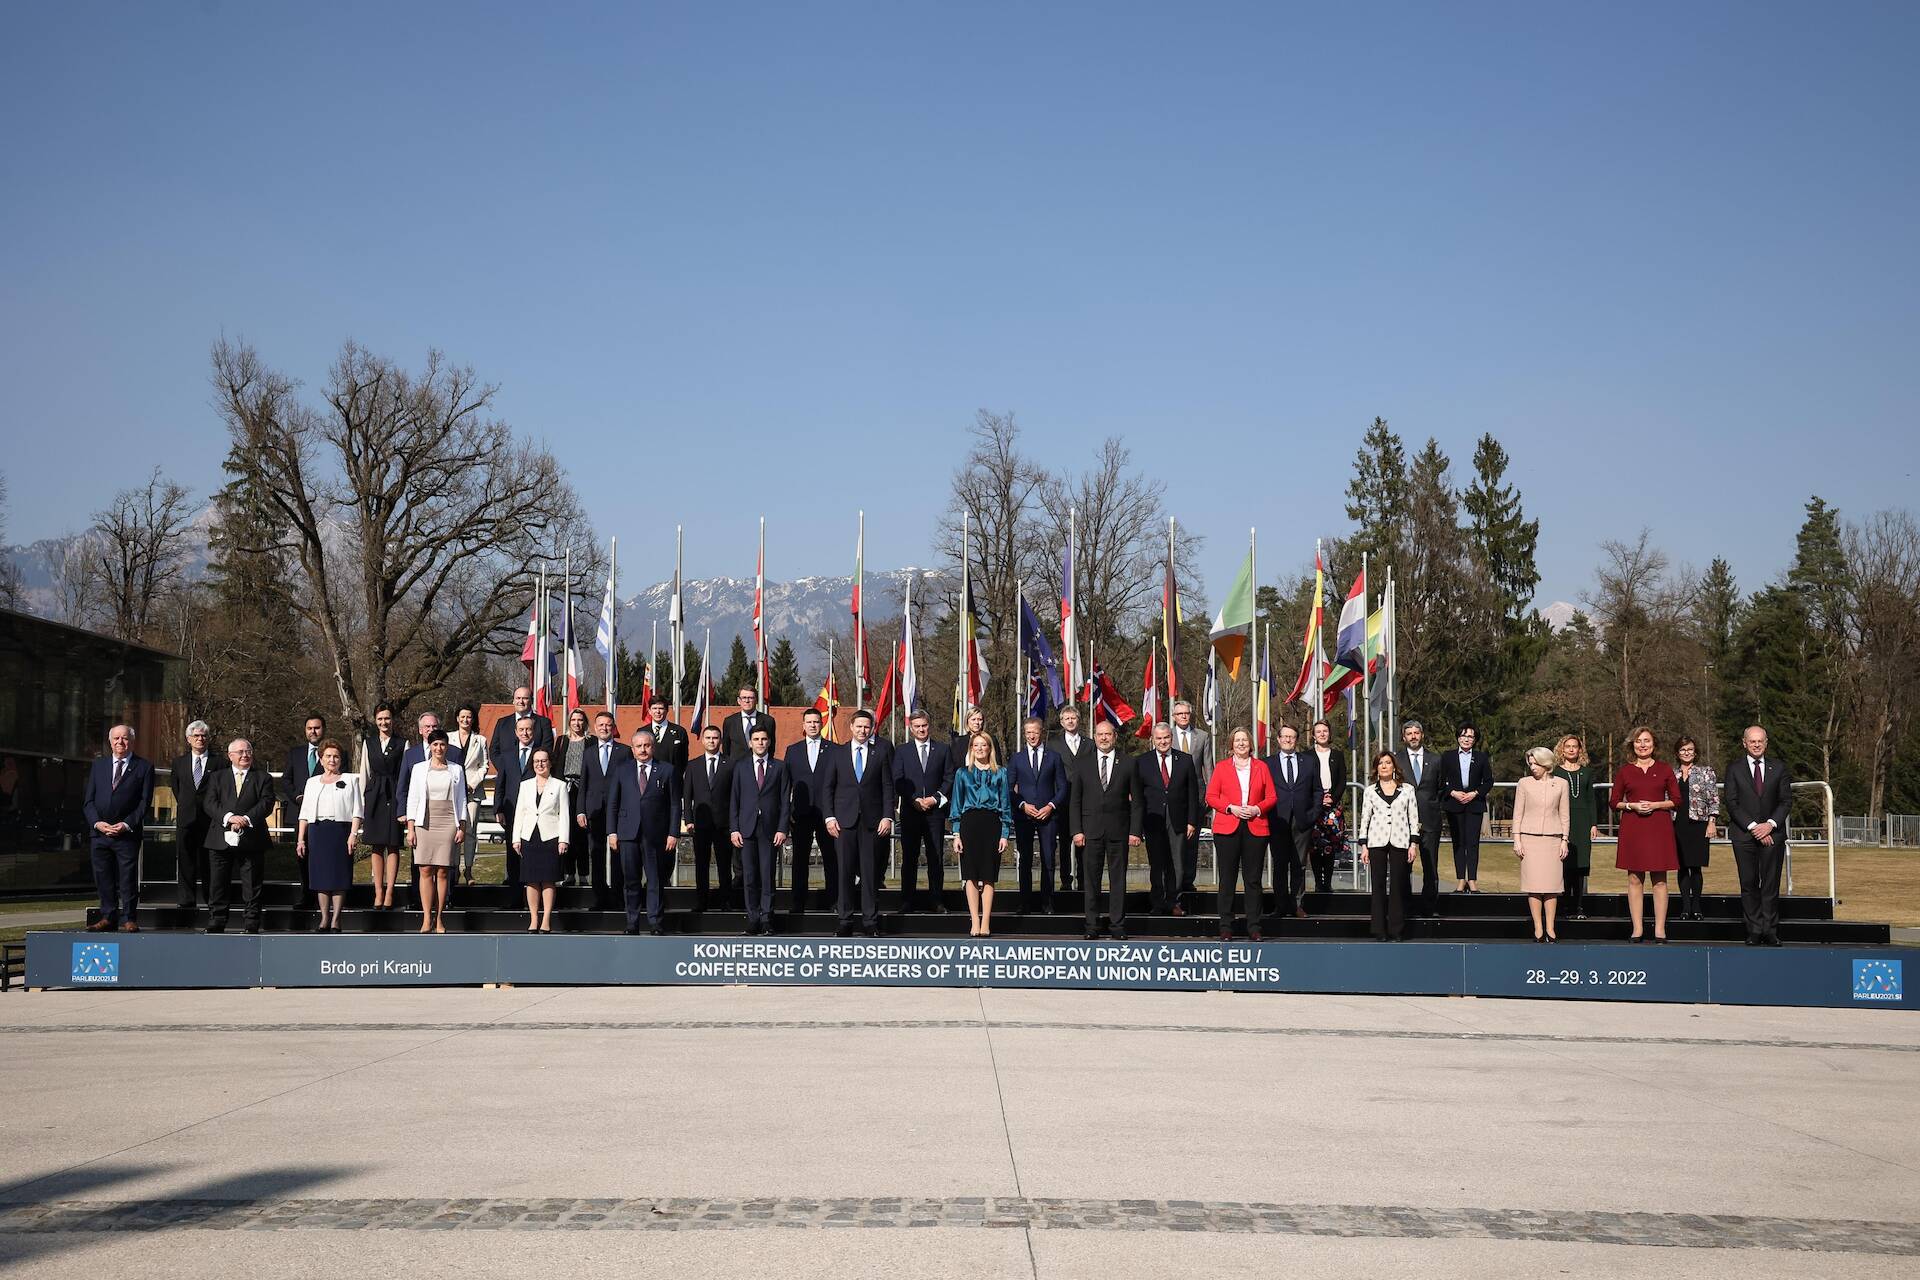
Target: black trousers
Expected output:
[1429,845]
[1289,866]
[1109,855]
[116,874]
[1240,853]
[511,878]
[920,836]
[1321,857]
[1189,859]
[1072,861]
[603,870]
[1692,880]
[861,852]
[756,875]
[1760,867]
[1030,836]
[1165,845]
[222,863]
[1573,898]
[1464,830]
[1392,881]
[190,863]
[710,843]
[643,861]
[806,830]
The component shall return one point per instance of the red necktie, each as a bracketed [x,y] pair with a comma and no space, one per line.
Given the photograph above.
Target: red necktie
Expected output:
[761,770]
[1757,769]
[1166,778]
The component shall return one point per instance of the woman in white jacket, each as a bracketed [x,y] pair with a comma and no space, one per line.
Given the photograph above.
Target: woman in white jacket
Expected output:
[540,819]
[436,826]
[1388,828]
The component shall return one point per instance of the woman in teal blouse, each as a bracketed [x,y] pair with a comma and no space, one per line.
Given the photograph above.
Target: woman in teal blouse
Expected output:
[984,805]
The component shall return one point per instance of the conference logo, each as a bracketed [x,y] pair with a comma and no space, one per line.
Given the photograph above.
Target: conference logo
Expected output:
[1877,980]
[96,964]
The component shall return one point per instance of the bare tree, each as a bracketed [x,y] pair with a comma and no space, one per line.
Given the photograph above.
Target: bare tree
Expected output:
[1640,611]
[1884,581]
[124,572]
[10,594]
[418,522]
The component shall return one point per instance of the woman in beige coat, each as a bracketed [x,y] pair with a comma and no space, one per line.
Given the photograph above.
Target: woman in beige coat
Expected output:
[1540,839]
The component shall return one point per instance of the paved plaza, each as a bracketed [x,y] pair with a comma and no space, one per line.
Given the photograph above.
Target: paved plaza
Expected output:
[741,1131]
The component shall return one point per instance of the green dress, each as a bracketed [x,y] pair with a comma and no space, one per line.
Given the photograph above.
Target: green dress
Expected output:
[1583,810]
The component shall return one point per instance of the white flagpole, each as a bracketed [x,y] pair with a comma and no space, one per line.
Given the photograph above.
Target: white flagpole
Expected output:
[859,620]
[1253,639]
[960,689]
[566,637]
[653,651]
[1021,682]
[676,625]
[613,625]
[1366,676]
[761,684]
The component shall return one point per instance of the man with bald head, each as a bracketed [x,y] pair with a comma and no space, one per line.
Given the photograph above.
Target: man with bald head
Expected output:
[237,806]
[1759,795]
[119,793]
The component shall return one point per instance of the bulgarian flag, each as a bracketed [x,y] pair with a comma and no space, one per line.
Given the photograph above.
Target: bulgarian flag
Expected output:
[1233,625]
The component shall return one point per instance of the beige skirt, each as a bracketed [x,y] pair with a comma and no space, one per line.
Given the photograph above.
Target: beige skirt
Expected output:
[433,843]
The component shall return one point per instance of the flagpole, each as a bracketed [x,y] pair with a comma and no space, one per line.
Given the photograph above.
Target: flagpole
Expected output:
[1366,676]
[1253,638]
[859,622]
[1273,732]
[1393,656]
[653,651]
[960,668]
[1076,670]
[1169,623]
[613,624]
[676,624]
[1022,681]
[566,636]
[1317,687]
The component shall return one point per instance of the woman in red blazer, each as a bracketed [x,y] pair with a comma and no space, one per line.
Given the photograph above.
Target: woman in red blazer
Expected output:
[1240,793]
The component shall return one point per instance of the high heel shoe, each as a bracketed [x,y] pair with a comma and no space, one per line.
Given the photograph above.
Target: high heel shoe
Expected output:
[1539,937]
[1553,938]
[1638,937]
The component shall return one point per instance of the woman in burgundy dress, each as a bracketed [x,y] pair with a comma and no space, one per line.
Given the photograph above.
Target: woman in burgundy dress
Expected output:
[1645,793]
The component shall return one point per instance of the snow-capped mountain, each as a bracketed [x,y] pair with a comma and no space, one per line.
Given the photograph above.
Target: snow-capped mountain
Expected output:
[798,610]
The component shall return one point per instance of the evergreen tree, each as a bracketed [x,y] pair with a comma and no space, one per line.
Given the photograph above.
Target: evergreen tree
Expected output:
[1821,583]
[689,673]
[1499,533]
[739,673]
[785,687]
[1377,494]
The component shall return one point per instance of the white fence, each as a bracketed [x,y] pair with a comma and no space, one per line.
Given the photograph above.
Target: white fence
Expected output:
[1894,830]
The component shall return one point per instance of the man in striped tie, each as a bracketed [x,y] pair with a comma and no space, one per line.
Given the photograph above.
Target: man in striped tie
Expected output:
[119,793]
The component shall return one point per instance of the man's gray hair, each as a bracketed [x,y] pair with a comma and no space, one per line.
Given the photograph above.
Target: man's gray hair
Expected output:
[1413,724]
[1183,703]
[199,726]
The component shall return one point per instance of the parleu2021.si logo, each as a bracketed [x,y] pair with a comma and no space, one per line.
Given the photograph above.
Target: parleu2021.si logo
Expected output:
[96,964]
[1877,980]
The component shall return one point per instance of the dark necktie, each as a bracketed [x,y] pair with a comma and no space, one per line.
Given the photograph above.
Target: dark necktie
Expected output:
[1287,768]
[760,768]
[643,779]
[1758,772]
[1036,762]
[1105,771]
[119,772]
[1166,775]
[523,762]
[199,770]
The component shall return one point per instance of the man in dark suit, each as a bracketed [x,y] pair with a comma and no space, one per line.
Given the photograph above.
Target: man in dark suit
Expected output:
[923,779]
[1037,785]
[858,799]
[603,754]
[238,805]
[736,727]
[1420,769]
[1759,794]
[1102,801]
[670,745]
[806,774]
[119,794]
[1166,815]
[1188,738]
[643,814]
[1296,783]
[705,786]
[416,753]
[758,812]
[303,761]
[512,765]
[1074,749]
[1465,779]
[191,774]
[501,741]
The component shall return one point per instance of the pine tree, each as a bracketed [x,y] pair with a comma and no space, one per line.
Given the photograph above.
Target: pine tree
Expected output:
[1500,535]
[785,688]
[1377,494]
[739,673]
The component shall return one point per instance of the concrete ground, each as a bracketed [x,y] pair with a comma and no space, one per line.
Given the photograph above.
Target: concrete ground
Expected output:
[737,1131]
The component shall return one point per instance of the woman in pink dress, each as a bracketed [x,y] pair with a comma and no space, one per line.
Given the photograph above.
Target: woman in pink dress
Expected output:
[1645,794]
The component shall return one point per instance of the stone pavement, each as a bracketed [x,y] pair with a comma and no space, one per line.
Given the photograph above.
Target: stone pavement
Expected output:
[738,1131]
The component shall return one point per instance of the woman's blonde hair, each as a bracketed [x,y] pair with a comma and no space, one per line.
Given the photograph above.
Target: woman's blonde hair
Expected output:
[1542,757]
[1583,761]
[993,755]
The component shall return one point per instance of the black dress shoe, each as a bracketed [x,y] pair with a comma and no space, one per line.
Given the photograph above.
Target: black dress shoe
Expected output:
[216,928]
[1226,935]
[1253,935]
[939,908]
[871,931]
[1773,940]
[253,928]
[632,931]
[658,931]
[1091,935]
[1118,935]
[844,931]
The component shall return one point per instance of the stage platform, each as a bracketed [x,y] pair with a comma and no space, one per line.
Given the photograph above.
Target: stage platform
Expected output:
[1345,916]
[1794,975]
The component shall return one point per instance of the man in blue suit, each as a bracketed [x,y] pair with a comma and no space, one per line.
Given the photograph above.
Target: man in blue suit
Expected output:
[643,813]
[119,793]
[858,800]
[923,778]
[806,762]
[1038,781]
[757,815]
[1296,780]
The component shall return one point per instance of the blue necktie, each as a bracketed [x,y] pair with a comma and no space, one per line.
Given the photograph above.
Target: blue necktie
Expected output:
[859,763]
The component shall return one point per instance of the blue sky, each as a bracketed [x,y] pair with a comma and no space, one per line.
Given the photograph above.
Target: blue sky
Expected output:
[1664,252]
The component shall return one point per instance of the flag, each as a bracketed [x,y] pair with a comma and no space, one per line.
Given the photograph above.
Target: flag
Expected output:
[1069,628]
[531,645]
[646,684]
[1149,702]
[1210,696]
[1033,644]
[1170,624]
[1378,647]
[603,639]
[976,673]
[676,628]
[1301,686]
[826,704]
[1352,632]
[862,678]
[889,690]
[702,696]
[1263,704]
[909,679]
[1107,700]
[1336,678]
[570,686]
[1234,623]
[764,685]
[543,629]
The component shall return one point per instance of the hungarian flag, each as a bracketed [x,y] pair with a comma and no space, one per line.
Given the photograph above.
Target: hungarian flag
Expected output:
[1149,702]
[1301,686]
[1233,625]
[1352,633]
[531,646]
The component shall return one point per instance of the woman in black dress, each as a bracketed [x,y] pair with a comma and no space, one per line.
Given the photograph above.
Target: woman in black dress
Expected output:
[1693,823]
[380,753]
[984,805]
